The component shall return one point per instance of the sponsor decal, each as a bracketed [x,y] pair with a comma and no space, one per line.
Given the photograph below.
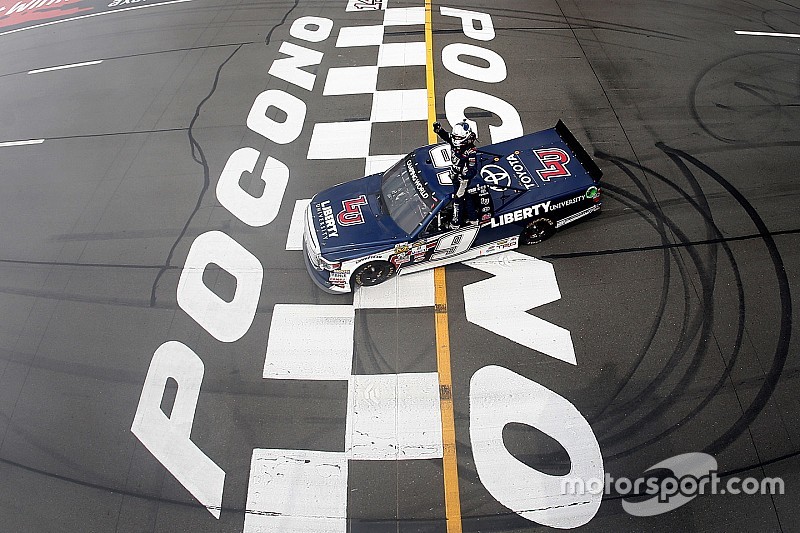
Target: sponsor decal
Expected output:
[535,210]
[327,222]
[521,171]
[521,214]
[554,161]
[496,177]
[402,259]
[338,277]
[420,185]
[351,214]
[565,203]
[592,192]
[411,252]
[503,244]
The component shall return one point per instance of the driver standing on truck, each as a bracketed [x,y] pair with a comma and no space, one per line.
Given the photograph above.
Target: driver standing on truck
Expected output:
[462,164]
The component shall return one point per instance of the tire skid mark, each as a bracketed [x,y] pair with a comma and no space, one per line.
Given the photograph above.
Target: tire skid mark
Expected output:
[707,275]
[784,334]
[702,322]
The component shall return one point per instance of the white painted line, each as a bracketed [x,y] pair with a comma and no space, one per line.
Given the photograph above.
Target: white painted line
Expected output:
[767,34]
[403,16]
[380,163]
[401,54]
[61,67]
[533,282]
[21,143]
[313,342]
[394,417]
[294,240]
[340,140]
[404,291]
[92,15]
[400,106]
[351,80]
[296,491]
[360,36]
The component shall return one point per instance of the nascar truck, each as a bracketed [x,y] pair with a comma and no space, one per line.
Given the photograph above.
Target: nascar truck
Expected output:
[365,231]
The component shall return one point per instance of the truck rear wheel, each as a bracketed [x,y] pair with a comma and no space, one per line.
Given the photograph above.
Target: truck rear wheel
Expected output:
[537,231]
[373,273]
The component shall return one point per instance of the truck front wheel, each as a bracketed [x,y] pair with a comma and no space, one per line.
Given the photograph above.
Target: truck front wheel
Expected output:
[373,273]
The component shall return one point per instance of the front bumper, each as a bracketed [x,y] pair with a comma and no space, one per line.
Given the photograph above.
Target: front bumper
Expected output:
[321,278]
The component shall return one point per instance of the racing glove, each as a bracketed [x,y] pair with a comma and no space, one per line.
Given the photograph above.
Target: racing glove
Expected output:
[462,187]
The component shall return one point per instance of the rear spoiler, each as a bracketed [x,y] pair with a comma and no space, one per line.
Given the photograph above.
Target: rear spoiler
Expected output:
[585,159]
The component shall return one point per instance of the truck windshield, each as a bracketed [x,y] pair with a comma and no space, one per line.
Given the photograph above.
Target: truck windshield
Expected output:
[407,196]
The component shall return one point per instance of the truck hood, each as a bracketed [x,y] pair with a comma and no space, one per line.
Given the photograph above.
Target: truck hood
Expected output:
[350,218]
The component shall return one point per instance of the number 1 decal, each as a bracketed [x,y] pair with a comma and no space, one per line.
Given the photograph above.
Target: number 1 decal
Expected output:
[351,214]
[554,161]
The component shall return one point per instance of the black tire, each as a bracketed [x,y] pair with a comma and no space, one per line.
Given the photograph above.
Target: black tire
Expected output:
[373,273]
[537,231]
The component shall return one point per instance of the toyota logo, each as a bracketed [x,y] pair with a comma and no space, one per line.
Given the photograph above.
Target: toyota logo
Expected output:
[496,177]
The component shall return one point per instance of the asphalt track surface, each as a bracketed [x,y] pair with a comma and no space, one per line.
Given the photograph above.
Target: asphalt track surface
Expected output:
[679,297]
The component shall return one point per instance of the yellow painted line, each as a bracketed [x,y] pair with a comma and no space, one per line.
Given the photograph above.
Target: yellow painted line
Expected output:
[452,499]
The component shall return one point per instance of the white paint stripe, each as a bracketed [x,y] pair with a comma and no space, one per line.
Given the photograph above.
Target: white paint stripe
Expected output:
[401,54]
[533,282]
[380,163]
[61,67]
[404,16]
[767,34]
[50,23]
[340,140]
[394,417]
[294,240]
[360,36]
[21,143]
[404,291]
[296,491]
[400,106]
[351,80]
[313,342]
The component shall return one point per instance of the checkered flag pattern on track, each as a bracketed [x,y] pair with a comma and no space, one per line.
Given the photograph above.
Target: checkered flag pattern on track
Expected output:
[351,139]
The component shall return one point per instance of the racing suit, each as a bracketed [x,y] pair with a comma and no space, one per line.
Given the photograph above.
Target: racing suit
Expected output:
[462,170]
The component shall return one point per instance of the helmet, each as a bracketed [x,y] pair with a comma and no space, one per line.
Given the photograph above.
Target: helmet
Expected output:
[462,134]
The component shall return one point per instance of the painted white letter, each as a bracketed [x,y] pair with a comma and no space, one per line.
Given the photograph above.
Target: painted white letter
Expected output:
[279,132]
[225,321]
[495,72]
[533,283]
[300,29]
[169,437]
[288,68]
[254,211]
[457,101]
[468,20]
[497,397]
